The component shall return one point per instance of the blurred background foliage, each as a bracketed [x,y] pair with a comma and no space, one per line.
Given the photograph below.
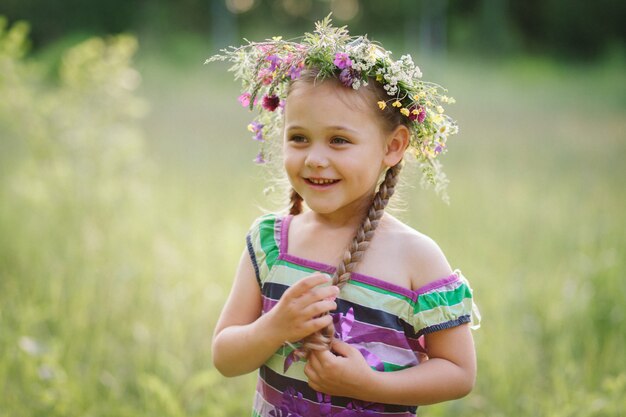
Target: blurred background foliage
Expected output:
[126,189]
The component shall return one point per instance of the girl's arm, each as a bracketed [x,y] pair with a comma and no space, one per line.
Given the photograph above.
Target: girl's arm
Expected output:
[244,339]
[448,374]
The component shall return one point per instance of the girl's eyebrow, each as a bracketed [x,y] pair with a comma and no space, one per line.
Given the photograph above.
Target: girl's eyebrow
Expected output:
[336,127]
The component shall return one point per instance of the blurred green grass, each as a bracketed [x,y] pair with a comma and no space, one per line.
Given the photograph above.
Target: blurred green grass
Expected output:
[111,284]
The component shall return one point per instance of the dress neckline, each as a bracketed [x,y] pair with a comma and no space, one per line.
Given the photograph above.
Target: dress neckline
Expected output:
[283,224]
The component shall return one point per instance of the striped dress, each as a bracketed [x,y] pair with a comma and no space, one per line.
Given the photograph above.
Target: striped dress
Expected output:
[385,322]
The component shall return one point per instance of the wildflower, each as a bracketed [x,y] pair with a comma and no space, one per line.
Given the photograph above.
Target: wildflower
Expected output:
[295,70]
[259,158]
[382,105]
[266,76]
[396,103]
[274,62]
[417,113]
[405,111]
[347,76]
[244,99]
[342,60]
[270,102]
[256,128]
[440,109]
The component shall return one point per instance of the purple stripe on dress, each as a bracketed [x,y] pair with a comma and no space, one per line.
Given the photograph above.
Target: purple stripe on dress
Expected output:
[438,284]
[290,400]
[283,227]
[363,333]
[388,286]
[317,266]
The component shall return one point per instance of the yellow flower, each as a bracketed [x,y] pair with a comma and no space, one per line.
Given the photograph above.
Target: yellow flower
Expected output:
[277,38]
[405,111]
[379,77]
[251,127]
[415,112]
[451,100]
[397,103]
[382,105]
[440,109]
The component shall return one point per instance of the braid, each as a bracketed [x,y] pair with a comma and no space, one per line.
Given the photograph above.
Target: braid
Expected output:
[361,241]
[296,203]
[354,254]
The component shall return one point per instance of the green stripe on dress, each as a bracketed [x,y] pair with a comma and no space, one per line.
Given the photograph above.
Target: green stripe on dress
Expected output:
[442,298]
[442,314]
[268,241]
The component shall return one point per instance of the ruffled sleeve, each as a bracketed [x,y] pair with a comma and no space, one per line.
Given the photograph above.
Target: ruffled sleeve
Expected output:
[262,242]
[445,303]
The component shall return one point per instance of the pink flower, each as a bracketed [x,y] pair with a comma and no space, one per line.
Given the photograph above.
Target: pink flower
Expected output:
[244,99]
[266,76]
[342,60]
[270,102]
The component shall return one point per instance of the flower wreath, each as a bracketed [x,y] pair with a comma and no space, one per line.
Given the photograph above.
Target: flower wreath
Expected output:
[266,69]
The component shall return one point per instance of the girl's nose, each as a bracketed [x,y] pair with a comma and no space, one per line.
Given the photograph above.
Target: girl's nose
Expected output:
[316,159]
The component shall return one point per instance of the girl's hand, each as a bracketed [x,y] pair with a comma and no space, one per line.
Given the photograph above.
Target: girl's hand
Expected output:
[298,311]
[345,375]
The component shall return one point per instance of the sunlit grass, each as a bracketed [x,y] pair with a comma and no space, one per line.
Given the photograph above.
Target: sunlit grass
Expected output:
[109,293]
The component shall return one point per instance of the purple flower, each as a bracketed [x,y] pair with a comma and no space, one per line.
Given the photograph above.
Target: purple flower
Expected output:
[256,128]
[259,158]
[274,62]
[347,76]
[270,102]
[295,70]
[342,60]
[244,99]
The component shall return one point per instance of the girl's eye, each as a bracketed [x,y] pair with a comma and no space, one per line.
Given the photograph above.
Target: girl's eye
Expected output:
[339,141]
[297,138]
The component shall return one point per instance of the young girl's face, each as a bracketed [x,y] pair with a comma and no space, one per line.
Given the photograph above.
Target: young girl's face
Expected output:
[334,146]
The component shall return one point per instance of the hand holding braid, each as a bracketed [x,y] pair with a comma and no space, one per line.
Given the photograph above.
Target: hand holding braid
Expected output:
[354,253]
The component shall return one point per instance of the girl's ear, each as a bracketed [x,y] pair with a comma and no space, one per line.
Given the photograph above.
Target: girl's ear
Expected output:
[396,144]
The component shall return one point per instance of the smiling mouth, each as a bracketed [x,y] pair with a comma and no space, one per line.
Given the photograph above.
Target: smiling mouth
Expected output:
[320,181]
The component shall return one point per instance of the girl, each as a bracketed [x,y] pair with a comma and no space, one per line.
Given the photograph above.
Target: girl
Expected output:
[387,329]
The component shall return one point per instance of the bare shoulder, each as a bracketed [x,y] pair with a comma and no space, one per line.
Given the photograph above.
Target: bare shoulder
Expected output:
[420,256]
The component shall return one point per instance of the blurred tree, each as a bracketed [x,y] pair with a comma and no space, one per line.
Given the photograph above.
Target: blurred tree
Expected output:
[568,28]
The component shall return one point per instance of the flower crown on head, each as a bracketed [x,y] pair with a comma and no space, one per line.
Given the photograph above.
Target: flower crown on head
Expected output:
[267,68]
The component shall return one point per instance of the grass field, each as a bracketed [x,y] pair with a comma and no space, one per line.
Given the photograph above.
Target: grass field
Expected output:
[119,236]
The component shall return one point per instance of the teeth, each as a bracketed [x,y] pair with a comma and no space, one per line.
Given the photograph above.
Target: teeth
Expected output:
[321,181]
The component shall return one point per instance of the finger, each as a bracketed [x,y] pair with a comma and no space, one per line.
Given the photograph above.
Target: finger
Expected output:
[309,371]
[320,307]
[319,323]
[343,348]
[324,356]
[306,284]
[329,292]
